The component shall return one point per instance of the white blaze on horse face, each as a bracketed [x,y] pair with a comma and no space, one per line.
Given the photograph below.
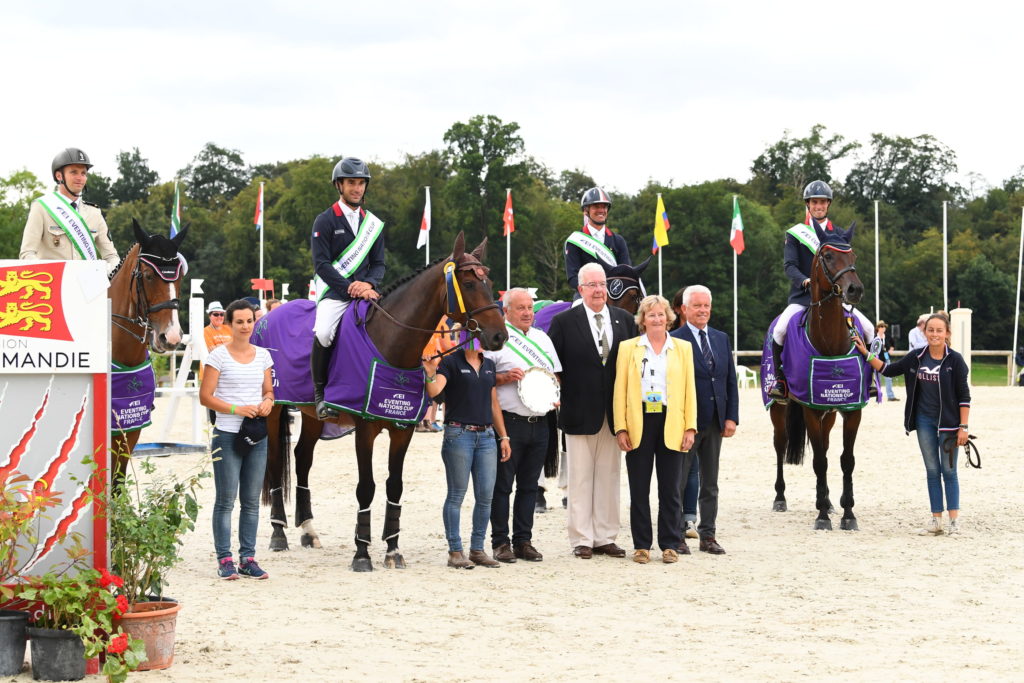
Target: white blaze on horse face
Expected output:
[173,332]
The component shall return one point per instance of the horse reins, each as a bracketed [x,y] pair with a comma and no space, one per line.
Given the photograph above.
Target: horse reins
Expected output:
[142,320]
[971,453]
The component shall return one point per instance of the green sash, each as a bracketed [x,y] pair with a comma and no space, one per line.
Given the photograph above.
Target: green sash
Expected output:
[71,222]
[527,349]
[805,235]
[595,248]
[355,253]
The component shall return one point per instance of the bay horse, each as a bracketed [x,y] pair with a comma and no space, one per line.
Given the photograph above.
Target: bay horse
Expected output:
[143,294]
[834,281]
[408,314]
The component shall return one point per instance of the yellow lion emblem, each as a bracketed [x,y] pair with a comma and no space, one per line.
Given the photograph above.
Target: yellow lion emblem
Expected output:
[28,281]
[30,314]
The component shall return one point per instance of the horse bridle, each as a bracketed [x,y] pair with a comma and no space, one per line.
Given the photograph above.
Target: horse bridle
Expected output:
[624,290]
[166,268]
[833,280]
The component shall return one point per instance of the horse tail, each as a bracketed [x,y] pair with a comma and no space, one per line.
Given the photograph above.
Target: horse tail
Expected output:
[796,434]
[282,445]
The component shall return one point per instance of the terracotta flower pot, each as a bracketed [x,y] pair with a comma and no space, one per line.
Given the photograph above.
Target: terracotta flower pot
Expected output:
[154,624]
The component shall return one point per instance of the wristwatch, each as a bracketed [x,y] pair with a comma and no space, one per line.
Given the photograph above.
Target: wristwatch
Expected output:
[963,427]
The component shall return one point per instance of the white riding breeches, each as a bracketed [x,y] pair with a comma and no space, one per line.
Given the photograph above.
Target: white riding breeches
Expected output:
[328,315]
[779,333]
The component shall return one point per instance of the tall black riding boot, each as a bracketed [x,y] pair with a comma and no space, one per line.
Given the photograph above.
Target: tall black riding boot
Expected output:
[319,360]
[780,390]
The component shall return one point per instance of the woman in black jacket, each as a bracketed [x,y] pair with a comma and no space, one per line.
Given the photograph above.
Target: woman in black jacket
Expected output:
[938,404]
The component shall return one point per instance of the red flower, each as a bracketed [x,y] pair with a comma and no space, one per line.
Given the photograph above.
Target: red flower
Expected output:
[107,579]
[118,644]
[122,604]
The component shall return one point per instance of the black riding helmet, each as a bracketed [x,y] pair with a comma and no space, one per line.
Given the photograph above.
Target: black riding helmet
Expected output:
[351,167]
[817,189]
[595,195]
[66,157]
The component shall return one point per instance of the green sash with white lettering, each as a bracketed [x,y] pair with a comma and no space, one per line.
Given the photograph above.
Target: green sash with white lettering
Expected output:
[527,349]
[72,223]
[805,235]
[355,253]
[595,248]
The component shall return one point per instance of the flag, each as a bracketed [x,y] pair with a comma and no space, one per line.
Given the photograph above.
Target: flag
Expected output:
[176,212]
[807,216]
[661,227]
[425,223]
[509,220]
[257,220]
[736,234]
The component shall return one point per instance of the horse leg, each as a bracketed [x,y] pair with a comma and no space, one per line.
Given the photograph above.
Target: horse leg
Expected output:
[366,432]
[778,416]
[400,439]
[828,420]
[276,476]
[818,425]
[311,429]
[851,422]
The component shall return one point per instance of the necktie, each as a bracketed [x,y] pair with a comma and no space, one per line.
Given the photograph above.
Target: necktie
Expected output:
[706,348]
[601,338]
[74,205]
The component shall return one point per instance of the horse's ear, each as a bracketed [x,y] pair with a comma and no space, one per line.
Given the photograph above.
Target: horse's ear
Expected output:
[643,266]
[180,237]
[481,251]
[849,233]
[140,234]
[460,246]
[822,237]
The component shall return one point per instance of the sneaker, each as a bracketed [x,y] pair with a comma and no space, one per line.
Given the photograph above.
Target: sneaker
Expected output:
[641,556]
[932,528]
[954,527]
[251,569]
[691,530]
[227,570]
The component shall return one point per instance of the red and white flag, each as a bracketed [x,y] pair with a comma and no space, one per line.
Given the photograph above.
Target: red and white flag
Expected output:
[425,223]
[509,220]
[257,220]
[736,234]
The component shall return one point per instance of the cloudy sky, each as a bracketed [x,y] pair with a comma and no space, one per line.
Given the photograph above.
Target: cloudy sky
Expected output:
[628,91]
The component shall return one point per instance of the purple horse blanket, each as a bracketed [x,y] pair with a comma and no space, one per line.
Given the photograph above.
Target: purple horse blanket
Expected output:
[542,318]
[822,382]
[359,381]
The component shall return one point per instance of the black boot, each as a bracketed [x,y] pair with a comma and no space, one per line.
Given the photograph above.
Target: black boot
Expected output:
[780,390]
[319,360]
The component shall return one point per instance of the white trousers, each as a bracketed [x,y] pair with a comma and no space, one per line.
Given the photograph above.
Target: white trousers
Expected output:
[779,333]
[328,315]
[594,464]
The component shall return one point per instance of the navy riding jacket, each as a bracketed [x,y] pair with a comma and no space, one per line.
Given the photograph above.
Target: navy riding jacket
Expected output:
[797,261]
[331,236]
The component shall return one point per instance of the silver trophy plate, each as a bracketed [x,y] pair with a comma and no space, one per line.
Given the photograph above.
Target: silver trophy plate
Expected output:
[539,390]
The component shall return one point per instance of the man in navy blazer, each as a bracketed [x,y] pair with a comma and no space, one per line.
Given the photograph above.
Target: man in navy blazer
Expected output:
[717,406]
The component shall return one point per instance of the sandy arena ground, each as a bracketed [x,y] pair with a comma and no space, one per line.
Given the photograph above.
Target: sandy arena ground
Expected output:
[785,603]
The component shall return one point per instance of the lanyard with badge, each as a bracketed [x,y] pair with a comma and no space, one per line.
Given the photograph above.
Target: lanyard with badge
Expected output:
[652,397]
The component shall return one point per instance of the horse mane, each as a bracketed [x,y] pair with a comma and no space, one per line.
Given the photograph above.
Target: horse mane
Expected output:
[123,259]
[395,286]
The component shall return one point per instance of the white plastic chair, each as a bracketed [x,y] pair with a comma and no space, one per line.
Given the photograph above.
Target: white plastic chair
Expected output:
[745,377]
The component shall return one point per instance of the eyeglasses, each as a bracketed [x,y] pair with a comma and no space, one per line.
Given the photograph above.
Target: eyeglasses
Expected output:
[599,285]
[216,315]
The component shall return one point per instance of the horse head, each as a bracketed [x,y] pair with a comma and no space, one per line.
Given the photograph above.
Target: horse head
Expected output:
[155,286]
[625,288]
[834,272]
[473,304]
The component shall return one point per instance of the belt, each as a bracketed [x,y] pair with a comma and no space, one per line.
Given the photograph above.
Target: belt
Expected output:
[469,428]
[522,418]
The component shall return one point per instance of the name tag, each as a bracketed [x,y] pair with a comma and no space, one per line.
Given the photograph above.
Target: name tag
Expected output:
[652,402]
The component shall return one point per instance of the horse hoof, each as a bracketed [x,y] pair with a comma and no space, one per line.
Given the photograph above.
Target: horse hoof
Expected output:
[831,510]
[278,540]
[394,560]
[823,525]
[309,541]
[779,506]
[362,564]
[849,524]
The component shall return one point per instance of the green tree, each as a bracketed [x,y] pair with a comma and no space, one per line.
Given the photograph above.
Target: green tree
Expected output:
[135,177]
[17,192]
[791,163]
[98,190]
[216,173]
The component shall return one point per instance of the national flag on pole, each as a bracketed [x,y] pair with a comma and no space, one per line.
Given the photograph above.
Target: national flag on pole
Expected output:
[736,234]
[176,212]
[661,227]
[421,239]
[257,220]
[509,220]
[807,216]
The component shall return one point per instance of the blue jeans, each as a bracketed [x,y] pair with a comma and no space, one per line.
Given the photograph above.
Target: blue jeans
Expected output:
[691,487]
[234,474]
[463,453]
[936,463]
[889,394]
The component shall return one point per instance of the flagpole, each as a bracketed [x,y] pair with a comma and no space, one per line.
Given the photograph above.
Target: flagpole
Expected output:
[659,253]
[1016,315]
[508,248]
[945,262]
[878,312]
[263,221]
[735,310]
[426,245]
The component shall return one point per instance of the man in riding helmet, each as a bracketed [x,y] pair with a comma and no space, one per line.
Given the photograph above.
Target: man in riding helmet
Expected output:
[595,242]
[61,226]
[348,259]
[798,254]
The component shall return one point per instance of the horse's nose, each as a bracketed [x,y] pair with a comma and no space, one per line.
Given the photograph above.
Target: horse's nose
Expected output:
[854,292]
[498,339]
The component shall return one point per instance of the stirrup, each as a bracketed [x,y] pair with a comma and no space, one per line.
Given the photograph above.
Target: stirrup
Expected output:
[780,394]
[326,412]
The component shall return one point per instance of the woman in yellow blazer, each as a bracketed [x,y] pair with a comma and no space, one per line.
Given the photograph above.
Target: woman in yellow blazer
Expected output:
[655,413]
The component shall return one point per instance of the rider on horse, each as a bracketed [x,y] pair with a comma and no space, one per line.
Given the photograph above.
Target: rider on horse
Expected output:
[801,245]
[62,226]
[595,242]
[348,258]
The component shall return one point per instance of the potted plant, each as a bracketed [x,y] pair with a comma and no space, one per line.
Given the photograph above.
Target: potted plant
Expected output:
[21,505]
[148,523]
[74,621]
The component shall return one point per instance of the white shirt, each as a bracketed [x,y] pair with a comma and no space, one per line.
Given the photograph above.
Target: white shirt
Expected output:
[351,215]
[917,339]
[239,383]
[506,359]
[606,322]
[695,331]
[655,369]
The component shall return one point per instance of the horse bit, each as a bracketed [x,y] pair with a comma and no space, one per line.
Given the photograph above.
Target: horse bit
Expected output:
[145,310]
